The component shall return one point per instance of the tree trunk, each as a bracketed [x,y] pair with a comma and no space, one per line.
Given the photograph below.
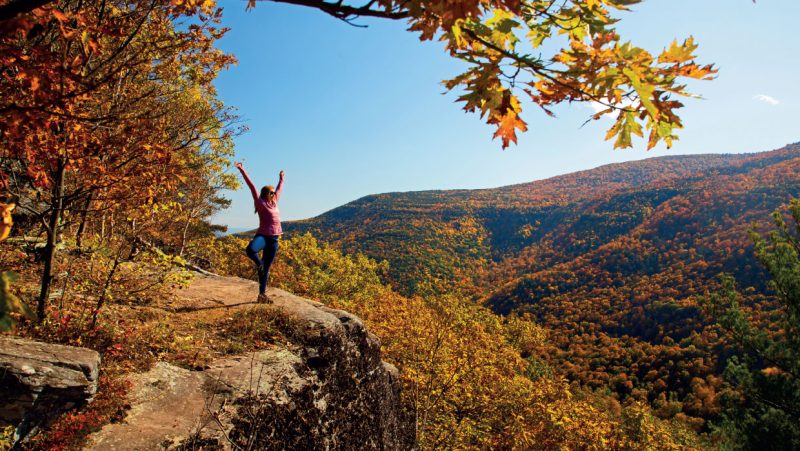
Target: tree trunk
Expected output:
[183,237]
[56,208]
[82,225]
[104,294]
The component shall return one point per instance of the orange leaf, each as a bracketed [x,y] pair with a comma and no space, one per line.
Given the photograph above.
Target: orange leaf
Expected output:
[60,16]
[506,128]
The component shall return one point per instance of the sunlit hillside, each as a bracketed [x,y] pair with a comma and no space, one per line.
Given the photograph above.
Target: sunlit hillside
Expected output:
[612,260]
[485,237]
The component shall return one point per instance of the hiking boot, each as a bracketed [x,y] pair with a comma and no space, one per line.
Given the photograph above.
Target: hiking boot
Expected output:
[264,299]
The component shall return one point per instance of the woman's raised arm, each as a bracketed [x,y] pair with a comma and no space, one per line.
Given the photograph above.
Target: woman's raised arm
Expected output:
[247,180]
[279,187]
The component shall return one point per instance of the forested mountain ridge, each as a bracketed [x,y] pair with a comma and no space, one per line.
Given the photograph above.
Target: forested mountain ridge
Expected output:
[626,313]
[489,236]
[612,261]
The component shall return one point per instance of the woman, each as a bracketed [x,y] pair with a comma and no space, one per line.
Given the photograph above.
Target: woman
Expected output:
[269,230]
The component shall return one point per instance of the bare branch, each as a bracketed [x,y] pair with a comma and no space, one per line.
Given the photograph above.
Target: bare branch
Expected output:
[347,12]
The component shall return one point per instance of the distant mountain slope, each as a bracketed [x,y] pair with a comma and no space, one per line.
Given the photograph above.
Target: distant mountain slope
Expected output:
[612,260]
[459,236]
[627,313]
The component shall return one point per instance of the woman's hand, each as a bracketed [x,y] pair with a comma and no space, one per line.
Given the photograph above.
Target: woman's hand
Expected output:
[238,165]
[281,174]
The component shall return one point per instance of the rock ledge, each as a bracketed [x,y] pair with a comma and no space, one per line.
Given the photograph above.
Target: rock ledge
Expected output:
[39,381]
[327,389]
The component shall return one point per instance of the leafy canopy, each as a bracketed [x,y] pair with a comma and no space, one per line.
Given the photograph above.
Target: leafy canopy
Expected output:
[509,48]
[546,51]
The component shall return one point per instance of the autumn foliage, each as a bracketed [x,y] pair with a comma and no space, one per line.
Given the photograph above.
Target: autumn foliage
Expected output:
[109,116]
[471,376]
[115,146]
[612,261]
[548,53]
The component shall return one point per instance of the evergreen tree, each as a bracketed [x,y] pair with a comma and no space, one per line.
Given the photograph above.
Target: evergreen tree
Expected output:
[763,410]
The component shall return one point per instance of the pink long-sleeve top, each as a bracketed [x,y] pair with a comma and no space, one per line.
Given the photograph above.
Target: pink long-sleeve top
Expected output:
[269,217]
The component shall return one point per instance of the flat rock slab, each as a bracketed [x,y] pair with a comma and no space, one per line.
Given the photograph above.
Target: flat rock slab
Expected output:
[170,404]
[167,404]
[39,381]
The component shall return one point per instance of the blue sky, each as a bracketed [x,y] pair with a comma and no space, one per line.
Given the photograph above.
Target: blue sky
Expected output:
[348,111]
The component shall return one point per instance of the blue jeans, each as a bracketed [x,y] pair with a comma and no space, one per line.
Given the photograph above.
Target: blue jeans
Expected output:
[270,246]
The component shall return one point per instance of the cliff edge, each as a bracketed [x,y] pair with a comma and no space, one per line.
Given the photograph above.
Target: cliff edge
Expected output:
[327,388]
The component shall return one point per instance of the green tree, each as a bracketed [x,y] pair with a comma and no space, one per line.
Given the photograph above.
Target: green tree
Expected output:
[764,410]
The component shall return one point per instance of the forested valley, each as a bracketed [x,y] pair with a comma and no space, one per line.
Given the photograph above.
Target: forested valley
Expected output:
[616,264]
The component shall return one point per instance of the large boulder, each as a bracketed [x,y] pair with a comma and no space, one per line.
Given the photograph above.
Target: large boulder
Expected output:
[339,395]
[39,381]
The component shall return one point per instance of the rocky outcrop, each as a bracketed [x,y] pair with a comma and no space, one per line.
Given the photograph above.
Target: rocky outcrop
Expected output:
[39,381]
[341,395]
[326,389]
